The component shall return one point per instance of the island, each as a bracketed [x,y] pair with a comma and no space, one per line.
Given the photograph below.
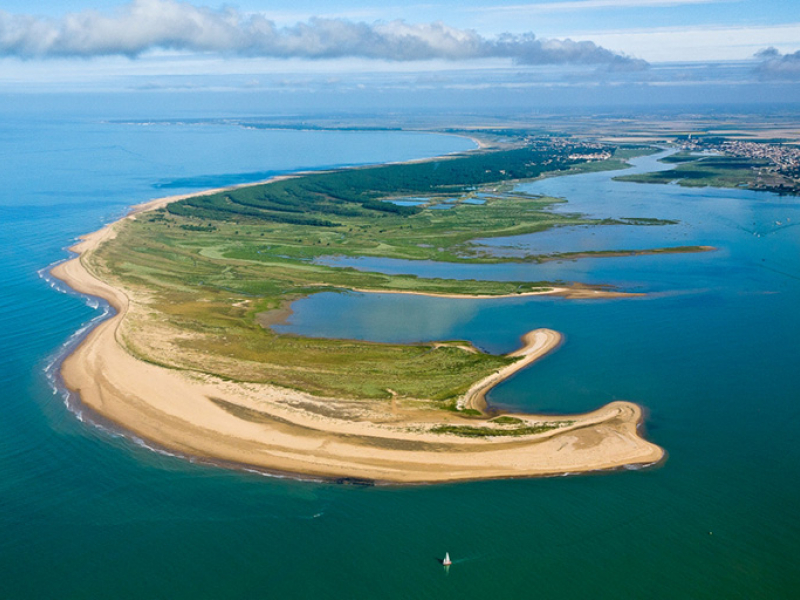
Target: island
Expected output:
[191,363]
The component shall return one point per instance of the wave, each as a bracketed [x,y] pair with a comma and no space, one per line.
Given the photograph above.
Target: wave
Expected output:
[52,368]
[72,400]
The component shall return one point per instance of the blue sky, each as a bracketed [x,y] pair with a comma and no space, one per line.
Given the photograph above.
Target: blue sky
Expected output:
[352,44]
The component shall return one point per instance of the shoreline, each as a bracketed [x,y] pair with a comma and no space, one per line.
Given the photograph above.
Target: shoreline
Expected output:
[279,430]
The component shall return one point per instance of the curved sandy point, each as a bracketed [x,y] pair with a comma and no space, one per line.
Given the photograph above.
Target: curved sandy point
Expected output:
[283,430]
[536,344]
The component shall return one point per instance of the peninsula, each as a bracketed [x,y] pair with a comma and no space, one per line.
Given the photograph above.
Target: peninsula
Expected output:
[189,360]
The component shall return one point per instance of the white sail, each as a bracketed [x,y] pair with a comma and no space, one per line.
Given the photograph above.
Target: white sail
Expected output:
[446,560]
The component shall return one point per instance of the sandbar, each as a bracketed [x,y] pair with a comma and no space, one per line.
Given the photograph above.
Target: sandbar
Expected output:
[574,292]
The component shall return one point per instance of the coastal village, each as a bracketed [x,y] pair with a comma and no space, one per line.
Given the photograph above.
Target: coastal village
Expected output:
[777,164]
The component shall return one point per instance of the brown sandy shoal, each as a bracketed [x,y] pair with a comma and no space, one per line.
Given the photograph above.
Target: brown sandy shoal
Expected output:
[289,431]
[573,291]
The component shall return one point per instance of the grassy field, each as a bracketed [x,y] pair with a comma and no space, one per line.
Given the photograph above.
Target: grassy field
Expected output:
[482,432]
[716,171]
[204,272]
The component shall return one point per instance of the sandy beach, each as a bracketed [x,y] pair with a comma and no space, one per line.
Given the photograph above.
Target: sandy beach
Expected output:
[289,431]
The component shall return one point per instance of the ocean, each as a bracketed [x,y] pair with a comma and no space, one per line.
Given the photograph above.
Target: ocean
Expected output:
[709,352]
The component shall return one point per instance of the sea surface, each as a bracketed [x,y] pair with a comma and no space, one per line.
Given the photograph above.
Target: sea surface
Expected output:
[711,353]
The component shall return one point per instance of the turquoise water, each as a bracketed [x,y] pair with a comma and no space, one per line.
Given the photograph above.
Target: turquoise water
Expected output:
[85,512]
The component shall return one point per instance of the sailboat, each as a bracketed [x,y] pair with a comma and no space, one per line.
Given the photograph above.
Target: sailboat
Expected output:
[447,562]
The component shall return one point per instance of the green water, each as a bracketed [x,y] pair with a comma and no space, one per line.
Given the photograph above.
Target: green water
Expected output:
[87,513]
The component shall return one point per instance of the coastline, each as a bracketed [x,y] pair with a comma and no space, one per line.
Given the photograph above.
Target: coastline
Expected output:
[288,431]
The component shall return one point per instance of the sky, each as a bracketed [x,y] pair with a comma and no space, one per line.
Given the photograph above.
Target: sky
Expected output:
[689,48]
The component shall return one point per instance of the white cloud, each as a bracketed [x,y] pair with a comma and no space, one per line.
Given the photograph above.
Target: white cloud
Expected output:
[579,5]
[144,26]
[775,65]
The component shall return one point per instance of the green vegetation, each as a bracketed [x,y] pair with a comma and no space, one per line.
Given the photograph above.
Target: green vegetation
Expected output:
[617,162]
[646,221]
[470,412]
[203,270]
[620,253]
[482,432]
[504,420]
[716,171]
[680,157]
[326,200]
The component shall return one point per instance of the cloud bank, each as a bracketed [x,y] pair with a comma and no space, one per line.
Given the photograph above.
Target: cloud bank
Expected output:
[775,65]
[146,25]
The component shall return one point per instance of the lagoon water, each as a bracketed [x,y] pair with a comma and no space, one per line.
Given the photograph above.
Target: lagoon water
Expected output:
[711,353]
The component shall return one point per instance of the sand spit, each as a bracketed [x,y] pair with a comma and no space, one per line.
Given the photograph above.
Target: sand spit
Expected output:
[284,430]
[573,292]
[537,343]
